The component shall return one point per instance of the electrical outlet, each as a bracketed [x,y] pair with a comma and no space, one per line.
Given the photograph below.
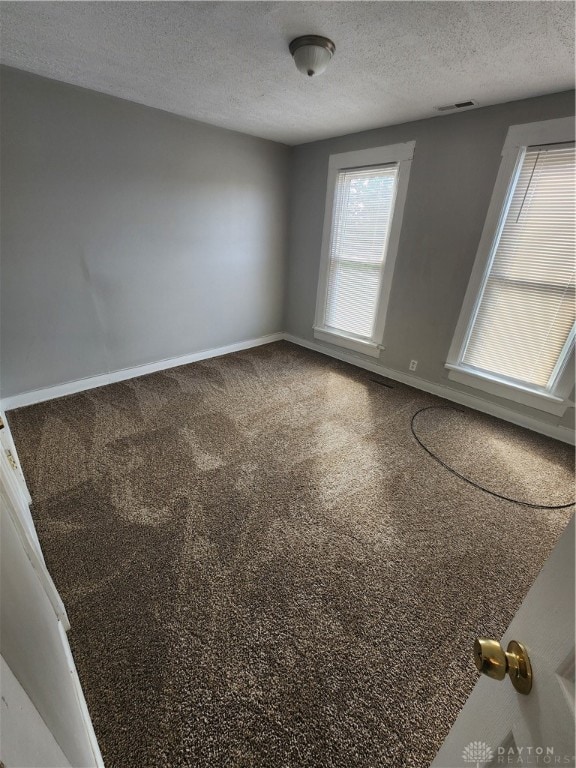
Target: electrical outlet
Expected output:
[413,365]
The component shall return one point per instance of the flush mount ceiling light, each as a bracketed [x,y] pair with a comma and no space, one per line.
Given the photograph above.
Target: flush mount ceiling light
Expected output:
[312,53]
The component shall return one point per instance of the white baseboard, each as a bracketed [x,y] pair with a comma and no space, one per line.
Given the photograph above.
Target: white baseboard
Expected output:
[564,434]
[80,385]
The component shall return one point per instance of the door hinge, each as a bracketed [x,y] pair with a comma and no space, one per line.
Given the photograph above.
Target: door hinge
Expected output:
[11,459]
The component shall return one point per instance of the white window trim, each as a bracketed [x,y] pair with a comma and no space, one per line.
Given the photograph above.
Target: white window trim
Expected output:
[401,154]
[556,401]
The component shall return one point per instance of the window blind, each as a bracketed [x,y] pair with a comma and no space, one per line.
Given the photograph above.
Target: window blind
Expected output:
[526,312]
[363,204]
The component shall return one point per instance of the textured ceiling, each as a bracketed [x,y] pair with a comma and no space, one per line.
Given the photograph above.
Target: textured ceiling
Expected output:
[227,63]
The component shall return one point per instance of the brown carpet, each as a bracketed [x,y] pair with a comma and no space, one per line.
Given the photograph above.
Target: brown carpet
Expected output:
[498,456]
[262,567]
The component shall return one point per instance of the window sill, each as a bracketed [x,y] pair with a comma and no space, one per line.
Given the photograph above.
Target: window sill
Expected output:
[364,347]
[542,401]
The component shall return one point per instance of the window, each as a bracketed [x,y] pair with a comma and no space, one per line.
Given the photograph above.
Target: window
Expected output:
[516,334]
[365,198]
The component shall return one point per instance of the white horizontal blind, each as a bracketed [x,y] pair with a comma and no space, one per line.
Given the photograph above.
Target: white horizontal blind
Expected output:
[363,204]
[526,312]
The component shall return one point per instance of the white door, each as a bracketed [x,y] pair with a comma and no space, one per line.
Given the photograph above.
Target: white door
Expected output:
[24,736]
[9,449]
[498,725]
[42,705]
[14,480]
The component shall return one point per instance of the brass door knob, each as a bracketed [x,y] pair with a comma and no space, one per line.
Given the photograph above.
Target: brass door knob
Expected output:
[491,659]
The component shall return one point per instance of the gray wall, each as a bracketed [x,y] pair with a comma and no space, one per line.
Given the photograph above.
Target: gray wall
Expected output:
[129,235]
[453,174]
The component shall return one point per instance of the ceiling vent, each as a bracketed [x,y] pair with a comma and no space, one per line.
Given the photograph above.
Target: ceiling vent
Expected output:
[458,105]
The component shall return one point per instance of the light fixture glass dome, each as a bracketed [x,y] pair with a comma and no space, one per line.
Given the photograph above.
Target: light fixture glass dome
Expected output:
[312,54]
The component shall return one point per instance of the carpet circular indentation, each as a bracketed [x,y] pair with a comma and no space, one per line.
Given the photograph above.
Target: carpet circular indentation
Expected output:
[498,457]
